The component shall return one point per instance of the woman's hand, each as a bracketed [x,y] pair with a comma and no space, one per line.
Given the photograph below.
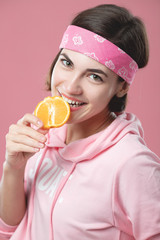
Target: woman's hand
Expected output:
[23,141]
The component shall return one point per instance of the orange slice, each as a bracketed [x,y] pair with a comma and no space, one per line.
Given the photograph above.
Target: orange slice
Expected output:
[53,112]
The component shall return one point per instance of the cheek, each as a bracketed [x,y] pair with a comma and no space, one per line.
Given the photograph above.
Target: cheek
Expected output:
[102,98]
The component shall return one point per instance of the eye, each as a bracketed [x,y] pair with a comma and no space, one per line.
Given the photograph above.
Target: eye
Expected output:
[66,63]
[96,78]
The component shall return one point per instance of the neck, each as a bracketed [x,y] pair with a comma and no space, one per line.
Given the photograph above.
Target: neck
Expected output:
[87,128]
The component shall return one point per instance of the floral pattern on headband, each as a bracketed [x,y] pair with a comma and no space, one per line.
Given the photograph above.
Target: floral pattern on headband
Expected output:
[92,55]
[77,40]
[110,64]
[132,65]
[99,38]
[123,73]
[65,39]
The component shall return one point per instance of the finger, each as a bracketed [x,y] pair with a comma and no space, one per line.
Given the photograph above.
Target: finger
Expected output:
[43,131]
[26,131]
[17,148]
[29,119]
[25,140]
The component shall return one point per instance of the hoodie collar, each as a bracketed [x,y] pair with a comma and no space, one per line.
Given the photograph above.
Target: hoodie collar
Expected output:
[87,148]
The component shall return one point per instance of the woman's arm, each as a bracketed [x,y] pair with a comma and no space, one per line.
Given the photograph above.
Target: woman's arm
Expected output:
[12,195]
[22,142]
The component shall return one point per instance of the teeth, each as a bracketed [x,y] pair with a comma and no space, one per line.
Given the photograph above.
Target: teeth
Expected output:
[73,103]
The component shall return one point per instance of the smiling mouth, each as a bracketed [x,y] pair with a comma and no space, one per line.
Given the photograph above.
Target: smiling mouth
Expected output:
[72,103]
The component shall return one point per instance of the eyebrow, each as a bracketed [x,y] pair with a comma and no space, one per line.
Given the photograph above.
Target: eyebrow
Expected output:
[68,59]
[94,70]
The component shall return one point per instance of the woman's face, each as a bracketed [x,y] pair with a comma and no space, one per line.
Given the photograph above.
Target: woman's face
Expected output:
[85,84]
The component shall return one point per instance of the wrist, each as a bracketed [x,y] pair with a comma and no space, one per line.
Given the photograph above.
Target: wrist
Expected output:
[9,169]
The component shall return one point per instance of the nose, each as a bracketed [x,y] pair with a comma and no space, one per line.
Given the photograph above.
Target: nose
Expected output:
[73,86]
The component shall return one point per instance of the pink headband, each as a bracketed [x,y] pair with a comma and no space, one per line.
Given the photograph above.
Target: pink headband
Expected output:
[94,46]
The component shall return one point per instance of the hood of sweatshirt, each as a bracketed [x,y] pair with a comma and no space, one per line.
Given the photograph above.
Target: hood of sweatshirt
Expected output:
[87,148]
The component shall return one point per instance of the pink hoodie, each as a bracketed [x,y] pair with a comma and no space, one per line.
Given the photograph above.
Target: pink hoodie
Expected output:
[104,187]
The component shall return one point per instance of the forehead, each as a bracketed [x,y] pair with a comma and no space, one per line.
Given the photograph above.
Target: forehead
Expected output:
[86,61]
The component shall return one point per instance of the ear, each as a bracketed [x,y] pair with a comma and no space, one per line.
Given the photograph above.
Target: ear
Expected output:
[123,89]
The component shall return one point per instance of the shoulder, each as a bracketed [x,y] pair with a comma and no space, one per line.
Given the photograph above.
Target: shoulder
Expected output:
[138,163]
[140,168]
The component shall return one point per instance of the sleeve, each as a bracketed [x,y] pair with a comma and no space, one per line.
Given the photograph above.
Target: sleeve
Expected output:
[6,231]
[136,198]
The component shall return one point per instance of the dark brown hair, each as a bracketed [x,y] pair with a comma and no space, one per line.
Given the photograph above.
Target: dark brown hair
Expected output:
[120,27]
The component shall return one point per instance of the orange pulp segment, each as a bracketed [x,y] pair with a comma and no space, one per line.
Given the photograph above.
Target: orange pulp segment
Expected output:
[53,112]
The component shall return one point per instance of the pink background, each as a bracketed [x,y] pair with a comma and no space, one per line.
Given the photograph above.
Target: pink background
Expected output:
[30,33]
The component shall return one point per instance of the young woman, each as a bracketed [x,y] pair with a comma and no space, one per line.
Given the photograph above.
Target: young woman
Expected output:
[93,178]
